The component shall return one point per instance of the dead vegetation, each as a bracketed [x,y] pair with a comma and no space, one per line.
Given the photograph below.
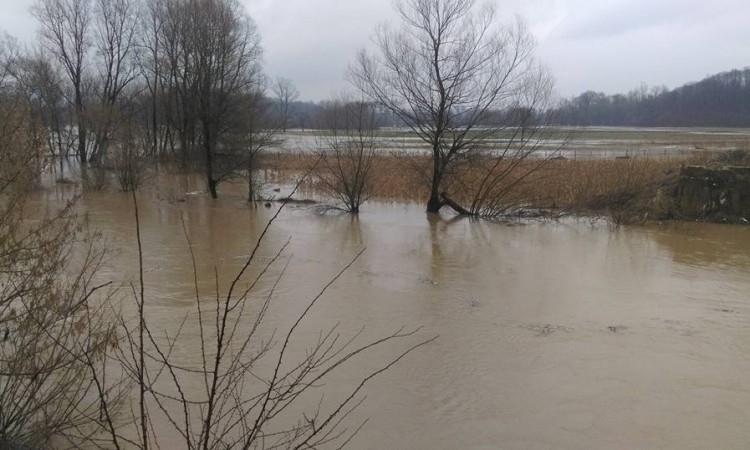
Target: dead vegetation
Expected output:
[53,332]
[625,190]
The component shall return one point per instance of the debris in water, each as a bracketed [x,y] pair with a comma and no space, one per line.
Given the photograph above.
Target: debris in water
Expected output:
[428,280]
[546,329]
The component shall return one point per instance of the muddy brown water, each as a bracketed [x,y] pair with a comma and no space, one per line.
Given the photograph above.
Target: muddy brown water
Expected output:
[551,335]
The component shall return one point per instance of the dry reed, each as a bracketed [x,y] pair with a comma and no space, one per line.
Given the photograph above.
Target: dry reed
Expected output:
[616,187]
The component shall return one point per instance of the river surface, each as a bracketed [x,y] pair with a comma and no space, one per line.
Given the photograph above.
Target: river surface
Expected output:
[561,335]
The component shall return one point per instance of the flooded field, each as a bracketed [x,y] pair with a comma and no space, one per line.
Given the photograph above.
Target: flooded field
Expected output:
[589,142]
[550,334]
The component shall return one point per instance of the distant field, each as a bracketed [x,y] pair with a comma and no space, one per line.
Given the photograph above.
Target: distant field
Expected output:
[590,142]
[656,141]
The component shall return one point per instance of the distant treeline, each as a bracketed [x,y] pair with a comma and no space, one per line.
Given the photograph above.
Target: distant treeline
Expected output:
[719,100]
[313,115]
[316,115]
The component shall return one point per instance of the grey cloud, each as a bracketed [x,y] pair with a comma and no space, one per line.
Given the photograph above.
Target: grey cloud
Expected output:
[607,45]
[613,18]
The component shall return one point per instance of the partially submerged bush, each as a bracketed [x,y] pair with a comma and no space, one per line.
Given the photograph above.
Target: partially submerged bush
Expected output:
[348,152]
[126,155]
[93,178]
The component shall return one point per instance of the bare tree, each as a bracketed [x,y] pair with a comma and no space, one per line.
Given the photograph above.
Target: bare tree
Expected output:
[9,61]
[7,51]
[150,64]
[452,73]
[43,85]
[286,94]
[115,26]
[248,132]
[180,99]
[65,34]
[528,142]
[258,131]
[348,150]
[211,57]
[227,57]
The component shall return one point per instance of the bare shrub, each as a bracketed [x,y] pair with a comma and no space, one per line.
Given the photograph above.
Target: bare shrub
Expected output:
[348,150]
[227,399]
[126,153]
[52,331]
[93,177]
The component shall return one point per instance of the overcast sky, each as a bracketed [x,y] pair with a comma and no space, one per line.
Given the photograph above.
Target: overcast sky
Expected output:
[602,45]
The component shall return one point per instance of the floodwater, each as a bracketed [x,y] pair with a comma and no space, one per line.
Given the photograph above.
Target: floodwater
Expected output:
[580,148]
[562,335]
[579,143]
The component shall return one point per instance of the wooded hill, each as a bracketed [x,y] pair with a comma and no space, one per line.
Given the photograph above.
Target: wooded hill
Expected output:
[721,100]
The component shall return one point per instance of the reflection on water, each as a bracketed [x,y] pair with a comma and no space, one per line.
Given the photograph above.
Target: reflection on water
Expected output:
[707,244]
[560,335]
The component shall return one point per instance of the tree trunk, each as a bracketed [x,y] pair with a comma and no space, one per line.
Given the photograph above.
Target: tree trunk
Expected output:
[209,162]
[154,123]
[434,203]
[82,145]
[82,141]
[250,180]
[81,124]
[456,207]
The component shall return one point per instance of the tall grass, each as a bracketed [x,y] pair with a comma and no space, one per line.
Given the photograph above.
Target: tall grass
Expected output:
[623,189]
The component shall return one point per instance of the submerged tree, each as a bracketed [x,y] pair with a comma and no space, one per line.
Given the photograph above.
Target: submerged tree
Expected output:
[94,47]
[348,150]
[65,28]
[259,130]
[190,69]
[43,86]
[226,64]
[115,40]
[457,77]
